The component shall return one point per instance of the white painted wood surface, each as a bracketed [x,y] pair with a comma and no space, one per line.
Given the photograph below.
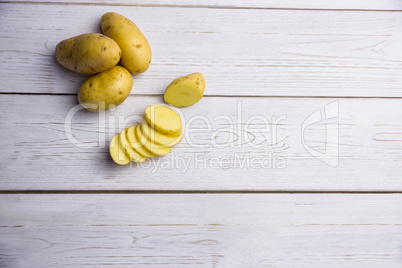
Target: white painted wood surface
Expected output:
[241,52]
[201,230]
[284,59]
[259,4]
[37,154]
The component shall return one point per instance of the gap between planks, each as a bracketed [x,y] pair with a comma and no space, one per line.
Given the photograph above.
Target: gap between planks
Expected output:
[9,192]
[196,6]
[216,96]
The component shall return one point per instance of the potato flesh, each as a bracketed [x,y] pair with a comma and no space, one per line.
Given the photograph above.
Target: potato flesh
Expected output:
[88,53]
[164,120]
[159,138]
[185,91]
[182,95]
[134,142]
[130,151]
[156,149]
[136,52]
[117,152]
[104,89]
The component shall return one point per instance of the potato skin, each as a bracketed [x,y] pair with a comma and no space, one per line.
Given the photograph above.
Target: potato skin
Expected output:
[136,53]
[109,87]
[88,53]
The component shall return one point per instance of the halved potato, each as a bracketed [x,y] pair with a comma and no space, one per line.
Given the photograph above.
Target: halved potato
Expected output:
[186,90]
[117,152]
[164,120]
[134,142]
[156,149]
[130,151]
[159,138]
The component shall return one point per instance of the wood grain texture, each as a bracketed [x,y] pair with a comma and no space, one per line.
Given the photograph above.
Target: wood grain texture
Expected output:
[282,4]
[36,153]
[202,230]
[244,48]
[240,51]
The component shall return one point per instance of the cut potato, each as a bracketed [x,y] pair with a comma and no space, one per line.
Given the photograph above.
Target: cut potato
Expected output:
[117,152]
[159,138]
[134,142]
[186,90]
[156,149]
[130,151]
[164,120]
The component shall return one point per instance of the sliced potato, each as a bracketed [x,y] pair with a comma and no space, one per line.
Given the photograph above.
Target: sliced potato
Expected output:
[159,138]
[116,151]
[186,90]
[156,149]
[134,142]
[130,152]
[164,120]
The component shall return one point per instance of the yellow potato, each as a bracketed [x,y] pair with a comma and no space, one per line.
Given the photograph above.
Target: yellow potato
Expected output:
[134,142]
[88,53]
[116,151]
[186,90]
[158,138]
[106,89]
[130,152]
[156,149]
[135,50]
[164,120]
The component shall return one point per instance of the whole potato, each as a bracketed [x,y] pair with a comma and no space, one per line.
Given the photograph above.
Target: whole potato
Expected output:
[110,87]
[135,50]
[88,53]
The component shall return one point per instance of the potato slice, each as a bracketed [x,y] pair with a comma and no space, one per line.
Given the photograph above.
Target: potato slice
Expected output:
[159,138]
[164,120]
[156,149]
[132,139]
[116,151]
[186,90]
[130,151]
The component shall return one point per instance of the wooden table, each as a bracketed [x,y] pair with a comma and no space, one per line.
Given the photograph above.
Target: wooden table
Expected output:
[314,87]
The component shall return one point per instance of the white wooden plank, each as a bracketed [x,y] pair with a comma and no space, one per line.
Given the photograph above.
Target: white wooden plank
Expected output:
[240,51]
[290,4]
[201,230]
[36,154]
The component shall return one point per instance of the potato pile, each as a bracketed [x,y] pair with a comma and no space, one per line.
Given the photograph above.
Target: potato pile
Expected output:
[161,130]
[96,53]
[99,54]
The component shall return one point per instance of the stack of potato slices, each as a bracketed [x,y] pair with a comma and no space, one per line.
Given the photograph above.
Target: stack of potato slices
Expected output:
[161,130]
